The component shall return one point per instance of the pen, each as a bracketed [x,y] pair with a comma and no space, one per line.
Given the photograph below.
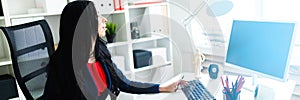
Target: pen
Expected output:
[236,81]
[233,88]
[179,83]
[241,83]
[227,84]
[222,81]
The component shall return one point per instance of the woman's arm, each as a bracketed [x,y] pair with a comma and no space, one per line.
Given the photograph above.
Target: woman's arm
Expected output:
[126,85]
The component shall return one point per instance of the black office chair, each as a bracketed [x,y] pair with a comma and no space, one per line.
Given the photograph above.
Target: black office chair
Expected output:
[31,45]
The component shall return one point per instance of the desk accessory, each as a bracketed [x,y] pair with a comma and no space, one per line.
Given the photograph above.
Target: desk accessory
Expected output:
[213,71]
[199,59]
[135,31]
[233,92]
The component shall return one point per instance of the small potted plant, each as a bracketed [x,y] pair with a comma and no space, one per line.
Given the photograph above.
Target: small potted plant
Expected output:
[110,32]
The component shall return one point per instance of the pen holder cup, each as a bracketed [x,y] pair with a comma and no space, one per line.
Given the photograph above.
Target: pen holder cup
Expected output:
[231,96]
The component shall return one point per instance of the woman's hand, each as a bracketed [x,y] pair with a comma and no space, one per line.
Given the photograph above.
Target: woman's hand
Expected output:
[172,87]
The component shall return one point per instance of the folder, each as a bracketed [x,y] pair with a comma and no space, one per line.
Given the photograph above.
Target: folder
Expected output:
[121,4]
[117,5]
[104,6]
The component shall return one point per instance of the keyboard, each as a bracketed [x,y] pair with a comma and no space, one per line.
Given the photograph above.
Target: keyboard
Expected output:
[196,91]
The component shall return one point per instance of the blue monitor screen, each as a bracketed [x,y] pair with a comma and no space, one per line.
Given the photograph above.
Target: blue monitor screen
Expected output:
[262,47]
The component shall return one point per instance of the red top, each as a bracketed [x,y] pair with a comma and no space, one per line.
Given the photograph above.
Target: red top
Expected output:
[98,75]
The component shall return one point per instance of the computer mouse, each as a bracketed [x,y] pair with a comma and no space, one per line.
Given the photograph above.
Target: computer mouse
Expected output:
[213,71]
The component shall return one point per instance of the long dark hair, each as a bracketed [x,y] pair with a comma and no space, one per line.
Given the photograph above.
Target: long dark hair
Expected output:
[85,34]
[78,26]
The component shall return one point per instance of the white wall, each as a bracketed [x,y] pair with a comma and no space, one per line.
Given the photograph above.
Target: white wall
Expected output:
[182,47]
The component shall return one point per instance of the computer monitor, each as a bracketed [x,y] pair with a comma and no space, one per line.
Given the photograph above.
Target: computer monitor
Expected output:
[261,47]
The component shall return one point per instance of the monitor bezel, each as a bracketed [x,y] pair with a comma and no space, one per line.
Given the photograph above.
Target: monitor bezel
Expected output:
[257,73]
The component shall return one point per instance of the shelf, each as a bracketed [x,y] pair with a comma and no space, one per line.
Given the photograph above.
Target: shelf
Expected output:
[151,67]
[116,12]
[110,45]
[147,39]
[5,61]
[147,5]
[2,18]
[34,15]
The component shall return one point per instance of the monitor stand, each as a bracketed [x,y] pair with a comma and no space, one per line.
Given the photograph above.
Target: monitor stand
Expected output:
[268,89]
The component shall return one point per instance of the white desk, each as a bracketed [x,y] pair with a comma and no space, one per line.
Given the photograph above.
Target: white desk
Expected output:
[213,86]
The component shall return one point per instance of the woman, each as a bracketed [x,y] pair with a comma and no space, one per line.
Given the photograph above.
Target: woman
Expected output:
[69,70]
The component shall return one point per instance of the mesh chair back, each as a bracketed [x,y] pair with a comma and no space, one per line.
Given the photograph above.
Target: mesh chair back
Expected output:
[31,45]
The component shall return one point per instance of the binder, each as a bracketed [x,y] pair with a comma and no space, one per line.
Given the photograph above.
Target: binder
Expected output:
[104,6]
[117,5]
[121,4]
